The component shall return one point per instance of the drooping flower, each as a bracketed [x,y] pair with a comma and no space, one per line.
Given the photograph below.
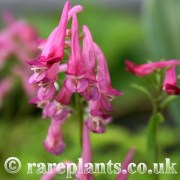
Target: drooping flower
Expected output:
[99,109]
[103,77]
[54,141]
[97,117]
[170,81]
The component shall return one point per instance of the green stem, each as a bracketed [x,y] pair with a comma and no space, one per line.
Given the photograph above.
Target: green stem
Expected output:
[152,140]
[155,119]
[80,107]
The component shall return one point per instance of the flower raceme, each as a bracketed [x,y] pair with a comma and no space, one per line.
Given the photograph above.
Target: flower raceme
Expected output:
[170,80]
[86,73]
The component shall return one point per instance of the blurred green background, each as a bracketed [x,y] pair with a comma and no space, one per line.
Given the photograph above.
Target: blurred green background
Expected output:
[151,32]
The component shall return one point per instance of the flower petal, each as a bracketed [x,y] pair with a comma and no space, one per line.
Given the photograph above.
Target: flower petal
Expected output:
[82,85]
[93,127]
[64,96]
[69,84]
[46,92]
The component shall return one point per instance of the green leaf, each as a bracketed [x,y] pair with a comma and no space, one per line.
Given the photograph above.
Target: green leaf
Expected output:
[167,101]
[146,92]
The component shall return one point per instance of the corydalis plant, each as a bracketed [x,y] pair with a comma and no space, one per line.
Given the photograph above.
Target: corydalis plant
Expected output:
[86,76]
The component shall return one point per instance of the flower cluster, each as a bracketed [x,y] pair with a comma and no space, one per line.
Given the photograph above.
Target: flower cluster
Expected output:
[86,73]
[17,40]
[170,80]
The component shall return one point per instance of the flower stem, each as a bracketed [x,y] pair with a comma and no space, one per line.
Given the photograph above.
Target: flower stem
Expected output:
[80,107]
[155,119]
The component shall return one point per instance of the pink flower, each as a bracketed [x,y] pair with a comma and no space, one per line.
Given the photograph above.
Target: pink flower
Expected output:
[100,108]
[125,164]
[75,82]
[146,69]
[103,77]
[97,117]
[169,85]
[39,69]
[54,47]
[88,56]
[54,142]
[47,86]
[56,111]
[86,156]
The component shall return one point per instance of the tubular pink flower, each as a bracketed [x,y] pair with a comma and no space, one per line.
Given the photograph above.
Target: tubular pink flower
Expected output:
[125,164]
[86,156]
[75,82]
[169,85]
[103,77]
[54,48]
[146,69]
[88,55]
[53,142]
[98,116]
